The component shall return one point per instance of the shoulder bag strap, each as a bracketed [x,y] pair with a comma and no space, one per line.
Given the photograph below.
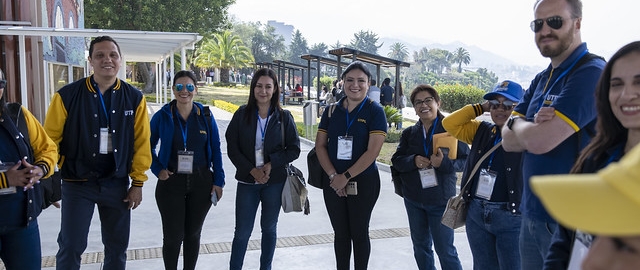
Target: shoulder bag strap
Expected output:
[475,168]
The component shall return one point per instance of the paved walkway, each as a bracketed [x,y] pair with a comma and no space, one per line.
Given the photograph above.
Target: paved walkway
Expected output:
[304,242]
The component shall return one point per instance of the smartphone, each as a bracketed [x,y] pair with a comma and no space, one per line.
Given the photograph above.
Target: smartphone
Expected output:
[214,198]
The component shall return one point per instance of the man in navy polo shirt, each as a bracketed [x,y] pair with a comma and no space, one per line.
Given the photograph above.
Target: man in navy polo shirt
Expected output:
[552,122]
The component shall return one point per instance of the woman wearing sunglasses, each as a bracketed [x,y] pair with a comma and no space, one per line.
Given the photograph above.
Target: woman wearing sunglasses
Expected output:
[493,195]
[189,170]
[428,181]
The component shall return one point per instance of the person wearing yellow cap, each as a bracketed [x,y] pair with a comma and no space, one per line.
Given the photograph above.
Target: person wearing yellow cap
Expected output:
[606,204]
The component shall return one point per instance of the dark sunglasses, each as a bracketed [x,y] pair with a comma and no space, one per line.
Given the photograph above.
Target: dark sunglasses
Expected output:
[506,105]
[3,83]
[554,22]
[190,87]
[419,103]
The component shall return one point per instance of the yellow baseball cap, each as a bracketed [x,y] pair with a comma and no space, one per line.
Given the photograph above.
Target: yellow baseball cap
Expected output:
[606,203]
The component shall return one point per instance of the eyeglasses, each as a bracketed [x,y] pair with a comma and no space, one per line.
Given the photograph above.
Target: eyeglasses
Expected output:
[554,22]
[506,105]
[426,101]
[3,83]
[190,87]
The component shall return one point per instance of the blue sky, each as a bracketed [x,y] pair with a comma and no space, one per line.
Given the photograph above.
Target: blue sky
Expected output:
[499,26]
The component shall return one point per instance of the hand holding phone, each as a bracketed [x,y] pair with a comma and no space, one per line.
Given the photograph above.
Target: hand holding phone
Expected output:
[214,198]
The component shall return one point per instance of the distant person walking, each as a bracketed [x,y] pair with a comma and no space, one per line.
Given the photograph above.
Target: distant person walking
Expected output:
[386,93]
[374,92]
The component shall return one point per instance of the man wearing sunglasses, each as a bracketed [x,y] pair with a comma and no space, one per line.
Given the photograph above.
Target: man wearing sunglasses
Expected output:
[552,122]
[101,126]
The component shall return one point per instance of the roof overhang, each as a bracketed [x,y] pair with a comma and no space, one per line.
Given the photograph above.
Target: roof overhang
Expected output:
[136,46]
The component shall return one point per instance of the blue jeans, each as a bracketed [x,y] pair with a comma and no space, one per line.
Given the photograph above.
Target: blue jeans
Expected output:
[535,239]
[493,231]
[248,197]
[426,229]
[79,200]
[20,247]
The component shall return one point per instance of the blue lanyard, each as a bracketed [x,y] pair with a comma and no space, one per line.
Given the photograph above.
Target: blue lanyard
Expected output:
[104,107]
[349,123]
[183,129]
[496,141]
[559,77]
[263,129]
[427,144]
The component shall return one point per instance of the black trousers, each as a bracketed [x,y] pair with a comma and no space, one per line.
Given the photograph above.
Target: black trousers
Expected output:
[350,218]
[184,201]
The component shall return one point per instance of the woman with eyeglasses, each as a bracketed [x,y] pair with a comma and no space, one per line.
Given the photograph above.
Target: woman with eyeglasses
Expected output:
[262,139]
[493,195]
[189,170]
[428,181]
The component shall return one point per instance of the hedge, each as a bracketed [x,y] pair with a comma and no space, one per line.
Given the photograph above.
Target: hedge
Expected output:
[454,97]
[230,107]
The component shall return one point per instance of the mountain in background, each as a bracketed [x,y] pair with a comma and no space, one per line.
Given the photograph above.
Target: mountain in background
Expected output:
[504,68]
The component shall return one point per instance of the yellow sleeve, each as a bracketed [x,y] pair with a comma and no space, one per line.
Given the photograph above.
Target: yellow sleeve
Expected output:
[54,122]
[462,123]
[44,149]
[141,146]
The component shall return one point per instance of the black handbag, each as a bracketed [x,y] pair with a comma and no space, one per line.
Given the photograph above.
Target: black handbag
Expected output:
[316,173]
[397,181]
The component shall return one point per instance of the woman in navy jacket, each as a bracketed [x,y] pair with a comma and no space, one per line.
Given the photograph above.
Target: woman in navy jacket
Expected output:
[255,146]
[21,195]
[428,181]
[189,170]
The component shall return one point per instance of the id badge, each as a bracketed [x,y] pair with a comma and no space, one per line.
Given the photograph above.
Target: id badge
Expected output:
[3,168]
[580,249]
[352,188]
[105,141]
[259,158]
[486,182]
[428,177]
[185,162]
[345,147]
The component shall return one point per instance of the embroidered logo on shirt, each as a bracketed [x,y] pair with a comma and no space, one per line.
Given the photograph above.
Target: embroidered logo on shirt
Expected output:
[203,132]
[128,112]
[362,120]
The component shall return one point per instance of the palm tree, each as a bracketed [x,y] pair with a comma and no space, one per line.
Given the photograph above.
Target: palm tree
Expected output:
[223,51]
[398,51]
[461,56]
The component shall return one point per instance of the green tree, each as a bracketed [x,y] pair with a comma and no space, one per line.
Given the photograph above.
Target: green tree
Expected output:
[320,49]
[265,44]
[297,48]
[461,56]
[365,41]
[438,60]
[337,45]
[398,51]
[421,58]
[200,16]
[223,51]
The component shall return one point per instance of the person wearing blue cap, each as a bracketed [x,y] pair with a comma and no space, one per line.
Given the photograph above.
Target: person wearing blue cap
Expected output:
[492,191]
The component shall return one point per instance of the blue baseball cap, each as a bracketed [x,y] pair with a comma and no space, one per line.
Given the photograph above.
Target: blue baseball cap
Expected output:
[508,89]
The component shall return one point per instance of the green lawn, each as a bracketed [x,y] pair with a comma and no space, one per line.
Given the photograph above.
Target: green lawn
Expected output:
[239,97]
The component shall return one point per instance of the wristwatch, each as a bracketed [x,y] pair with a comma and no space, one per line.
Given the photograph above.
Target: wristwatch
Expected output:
[511,120]
[347,175]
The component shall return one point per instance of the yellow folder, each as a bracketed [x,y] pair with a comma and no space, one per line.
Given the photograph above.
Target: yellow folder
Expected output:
[445,140]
